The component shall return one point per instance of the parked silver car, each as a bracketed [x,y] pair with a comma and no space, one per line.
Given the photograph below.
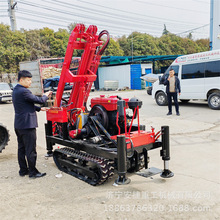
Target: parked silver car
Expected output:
[5,92]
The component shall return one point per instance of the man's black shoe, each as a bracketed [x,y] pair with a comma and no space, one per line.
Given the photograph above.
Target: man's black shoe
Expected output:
[178,113]
[24,174]
[169,113]
[38,175]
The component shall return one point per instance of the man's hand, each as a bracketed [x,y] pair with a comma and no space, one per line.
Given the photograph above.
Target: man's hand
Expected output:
[43,109]
[48,94]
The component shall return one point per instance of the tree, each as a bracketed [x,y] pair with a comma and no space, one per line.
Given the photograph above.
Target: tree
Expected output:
[124,45]
[203,44]
[59,44]
[113,49]
[13,49]
[71,26]
[189,36]
[33,44]
[46,39]
[165,31]
[141,44]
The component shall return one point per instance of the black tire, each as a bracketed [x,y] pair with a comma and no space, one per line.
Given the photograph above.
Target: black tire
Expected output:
[184,100]
[4,137]
[214,101]
[149,90]
[161,98]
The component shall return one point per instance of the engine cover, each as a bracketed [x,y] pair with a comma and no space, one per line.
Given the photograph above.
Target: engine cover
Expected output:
[109,103]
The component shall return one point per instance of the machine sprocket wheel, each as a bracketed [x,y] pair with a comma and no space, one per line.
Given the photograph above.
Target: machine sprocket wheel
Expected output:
[4,137]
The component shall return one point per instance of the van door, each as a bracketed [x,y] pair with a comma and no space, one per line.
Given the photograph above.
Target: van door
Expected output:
[212,76]
[192,81]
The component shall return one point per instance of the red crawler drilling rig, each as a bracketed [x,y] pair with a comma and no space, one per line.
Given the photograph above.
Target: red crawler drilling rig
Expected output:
[104,139]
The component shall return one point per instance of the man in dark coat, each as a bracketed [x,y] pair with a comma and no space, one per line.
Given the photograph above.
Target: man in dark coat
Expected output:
[26,122]
[172,88]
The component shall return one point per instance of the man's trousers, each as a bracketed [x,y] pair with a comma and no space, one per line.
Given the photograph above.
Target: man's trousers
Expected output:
[173,95]
[27,154]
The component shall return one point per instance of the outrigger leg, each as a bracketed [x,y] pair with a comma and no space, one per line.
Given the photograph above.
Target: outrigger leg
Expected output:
[122,165]
[48,130]
[165,152]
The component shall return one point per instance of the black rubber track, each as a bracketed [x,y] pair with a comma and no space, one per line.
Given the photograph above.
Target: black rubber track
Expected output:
[90,168]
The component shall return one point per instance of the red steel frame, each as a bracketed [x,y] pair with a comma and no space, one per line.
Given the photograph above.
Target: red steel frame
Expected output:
[82,81]
[93,48]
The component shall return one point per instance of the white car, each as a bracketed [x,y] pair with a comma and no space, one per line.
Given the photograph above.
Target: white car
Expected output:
[5,92]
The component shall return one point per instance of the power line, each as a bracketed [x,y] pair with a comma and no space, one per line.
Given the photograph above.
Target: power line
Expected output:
[80,15]
[60,25]
[103,13]
[92,17]
[40,15]
[202,2]
[124,30]
[193,29]
[117,24]
[123,24]
[136,14]
[166,6]
[44,22]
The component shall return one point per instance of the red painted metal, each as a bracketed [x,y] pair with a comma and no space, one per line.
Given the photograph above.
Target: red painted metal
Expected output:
[132,120]
[57,114]
[119,129]
[82,80]
[142,138]
[125,122]
[109,103]
[138,119]
[139,138]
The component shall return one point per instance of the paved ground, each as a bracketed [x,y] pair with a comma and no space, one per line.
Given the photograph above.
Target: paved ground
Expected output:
[193,193]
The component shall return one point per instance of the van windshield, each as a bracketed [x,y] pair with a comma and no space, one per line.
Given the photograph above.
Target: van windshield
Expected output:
[175,68]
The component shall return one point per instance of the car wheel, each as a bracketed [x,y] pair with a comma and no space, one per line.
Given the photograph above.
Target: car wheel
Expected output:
[149,90]
[214,101]
[161,99]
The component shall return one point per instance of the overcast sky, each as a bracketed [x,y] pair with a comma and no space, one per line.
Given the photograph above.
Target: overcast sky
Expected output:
[119,17]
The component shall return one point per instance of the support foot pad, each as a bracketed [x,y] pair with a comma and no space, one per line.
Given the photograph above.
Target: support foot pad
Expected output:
[167,174]
[122,180]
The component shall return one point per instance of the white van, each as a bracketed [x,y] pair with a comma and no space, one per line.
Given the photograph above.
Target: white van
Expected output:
[199,76]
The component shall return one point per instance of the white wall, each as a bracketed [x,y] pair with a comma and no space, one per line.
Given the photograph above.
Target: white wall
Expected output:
[146,66]
[115,73]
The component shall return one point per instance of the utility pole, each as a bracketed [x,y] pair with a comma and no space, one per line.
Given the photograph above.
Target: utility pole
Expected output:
[214,25]
[211,25]
[11,10]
